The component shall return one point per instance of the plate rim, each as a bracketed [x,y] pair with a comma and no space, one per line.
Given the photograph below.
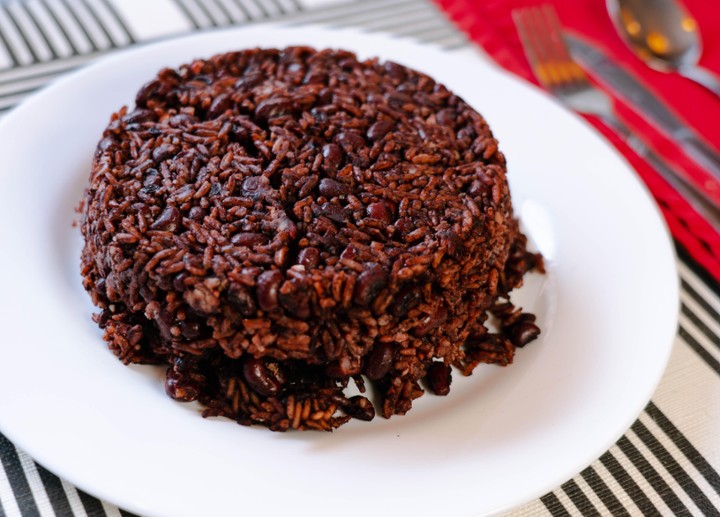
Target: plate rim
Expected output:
[126,55]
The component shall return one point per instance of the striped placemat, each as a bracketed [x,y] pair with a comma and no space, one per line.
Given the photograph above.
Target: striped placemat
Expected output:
[666,464]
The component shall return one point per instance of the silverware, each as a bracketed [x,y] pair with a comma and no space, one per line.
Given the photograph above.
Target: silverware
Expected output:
[664,35]
[646,104]
[541,36]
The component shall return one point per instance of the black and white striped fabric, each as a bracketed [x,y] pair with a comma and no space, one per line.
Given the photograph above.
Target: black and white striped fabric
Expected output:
[666,464]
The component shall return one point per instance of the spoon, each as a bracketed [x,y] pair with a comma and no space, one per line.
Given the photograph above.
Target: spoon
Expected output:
[664,35]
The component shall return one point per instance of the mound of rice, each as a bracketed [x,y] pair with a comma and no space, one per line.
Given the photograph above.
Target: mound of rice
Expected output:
[275,225]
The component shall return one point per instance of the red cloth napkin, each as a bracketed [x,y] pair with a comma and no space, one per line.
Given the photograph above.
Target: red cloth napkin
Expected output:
[489,23]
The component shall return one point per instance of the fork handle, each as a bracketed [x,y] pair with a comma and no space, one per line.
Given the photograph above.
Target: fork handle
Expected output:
[702,204]
[699,151]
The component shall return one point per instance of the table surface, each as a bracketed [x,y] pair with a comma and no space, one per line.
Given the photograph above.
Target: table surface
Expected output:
[667,462]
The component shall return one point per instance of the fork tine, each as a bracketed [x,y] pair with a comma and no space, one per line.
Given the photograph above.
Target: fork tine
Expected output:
[532,49]
[541,36]
[534,39]
[550,39]
[570,67]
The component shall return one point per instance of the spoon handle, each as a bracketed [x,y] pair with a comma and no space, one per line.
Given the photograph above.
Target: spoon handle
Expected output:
[701,76]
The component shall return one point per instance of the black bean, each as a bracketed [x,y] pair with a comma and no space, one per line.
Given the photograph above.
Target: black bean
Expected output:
[215,189]
[240,134]
[164,323]
[273,107]
[196,214]
[179,281]
[145,192]
[331,188]
[107,143]
[350,141]
[263,376]
[179,388]
[360,407]
[348,64]
[407,88]
[439,376]
[181,119]
[268,285]
[379,129]
[315,77]
[163,152]
[467,133]
[376,98]
[333,212]
[155,88]
[321,115]
[446,117]
[405,225]
[309,257]
[325,96]
[394,70]
[369,284]
[138,116]
[293,296]
[332,157]
[350,252]
[380,210]
[399,100]
[168,221]
[452,243]
[220,105]
[190,329]
[152,178]
[248,239]
[379,361]
[100,287]
[405,300]
[477,188]
[242,299]
[522,332]
[105,315]
[256,187]
[183,364]
[250,79]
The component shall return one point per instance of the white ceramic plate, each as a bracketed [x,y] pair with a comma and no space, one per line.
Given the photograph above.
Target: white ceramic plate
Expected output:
[607,306]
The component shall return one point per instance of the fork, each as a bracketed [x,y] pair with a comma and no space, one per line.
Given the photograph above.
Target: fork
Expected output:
[541,37]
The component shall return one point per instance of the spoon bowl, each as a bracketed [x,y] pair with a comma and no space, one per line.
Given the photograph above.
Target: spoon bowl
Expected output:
[664,35]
